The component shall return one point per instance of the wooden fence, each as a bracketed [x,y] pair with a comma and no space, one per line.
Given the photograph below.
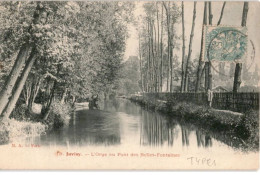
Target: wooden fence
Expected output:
[239,102]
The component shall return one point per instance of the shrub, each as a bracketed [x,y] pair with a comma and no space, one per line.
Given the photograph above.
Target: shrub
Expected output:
[241,128]
[250,122]
[59,116]
[4,134]
[21,113]
[12,129]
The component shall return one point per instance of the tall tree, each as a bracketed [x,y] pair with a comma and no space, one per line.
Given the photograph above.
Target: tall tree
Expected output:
[183,50]
[168,43]
[19,87]
[85,44]
[158,62]
[171,55]
[198,80]
[161,48]
[6,92]
[140,63]
[190,47]
[238,69]
[40,17]
[158,50]
[222,12]
[208,73]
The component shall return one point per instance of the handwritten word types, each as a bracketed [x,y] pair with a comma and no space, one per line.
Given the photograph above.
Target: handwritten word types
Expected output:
[202,161]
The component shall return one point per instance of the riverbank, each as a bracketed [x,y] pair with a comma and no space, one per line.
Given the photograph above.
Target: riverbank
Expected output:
[241,127]
[23,124]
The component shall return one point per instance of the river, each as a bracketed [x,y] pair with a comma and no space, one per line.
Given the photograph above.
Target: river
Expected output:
[124,135]
[121,122]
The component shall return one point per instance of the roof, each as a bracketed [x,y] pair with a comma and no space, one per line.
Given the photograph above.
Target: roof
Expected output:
[220,88]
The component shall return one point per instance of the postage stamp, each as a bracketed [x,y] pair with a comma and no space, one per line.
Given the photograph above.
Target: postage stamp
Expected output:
[225,43]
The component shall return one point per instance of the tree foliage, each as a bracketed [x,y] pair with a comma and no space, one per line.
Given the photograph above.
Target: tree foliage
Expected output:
[78,45]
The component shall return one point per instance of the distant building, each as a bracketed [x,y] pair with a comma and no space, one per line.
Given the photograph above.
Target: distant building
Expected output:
[220,89]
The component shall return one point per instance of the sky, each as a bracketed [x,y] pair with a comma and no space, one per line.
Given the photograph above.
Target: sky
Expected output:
[232,16]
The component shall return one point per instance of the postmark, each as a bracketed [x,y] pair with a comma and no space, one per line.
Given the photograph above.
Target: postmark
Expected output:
[225,43]
[229,44]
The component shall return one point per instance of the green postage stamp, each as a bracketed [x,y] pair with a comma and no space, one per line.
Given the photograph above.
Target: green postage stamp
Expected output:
[225,43]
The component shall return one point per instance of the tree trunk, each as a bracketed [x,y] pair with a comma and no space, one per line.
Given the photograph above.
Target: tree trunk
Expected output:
[202,75]
[158,51]
[209,85]
[171,57]
[210,13]
[26,93]
[187,80]
[171,72]
[206,75]
[154,57]
[183,50]
[19,86]
[210,77]
[149,58]
[63,96]
[222,12]
[244,17]
[237,78]
[6,92]
[161,71]
[168,54]
[48,107]
[140,57]
[238,70]
[73,100]
[34,91]
[47,94]
[190,46]
[201,50]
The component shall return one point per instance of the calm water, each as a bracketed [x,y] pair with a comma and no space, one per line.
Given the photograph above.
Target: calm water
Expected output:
[123,123]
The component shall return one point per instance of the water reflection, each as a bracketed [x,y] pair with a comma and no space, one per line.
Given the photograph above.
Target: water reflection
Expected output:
[87,127]
[159,130]
[185,133]
[203,140]
[155,130]
[121,122]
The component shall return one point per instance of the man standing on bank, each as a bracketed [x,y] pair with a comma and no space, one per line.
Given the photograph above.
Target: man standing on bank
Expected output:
[210,97]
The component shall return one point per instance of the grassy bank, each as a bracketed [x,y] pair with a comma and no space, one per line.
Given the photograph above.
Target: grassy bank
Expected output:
[23,123]
[11,129]
[241,128]
[59,115]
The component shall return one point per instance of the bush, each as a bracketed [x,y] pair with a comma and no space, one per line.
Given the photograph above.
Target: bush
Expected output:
[21,113]
[250,122]
[239,127]
[12,129]
[59,116]
[4,134]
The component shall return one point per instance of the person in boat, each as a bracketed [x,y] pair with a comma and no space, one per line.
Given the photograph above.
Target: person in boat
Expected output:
[93,104]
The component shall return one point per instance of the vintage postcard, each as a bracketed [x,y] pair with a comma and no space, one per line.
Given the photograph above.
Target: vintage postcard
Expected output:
[129,85]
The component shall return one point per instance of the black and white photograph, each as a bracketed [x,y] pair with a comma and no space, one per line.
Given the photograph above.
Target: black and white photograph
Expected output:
[129,85]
